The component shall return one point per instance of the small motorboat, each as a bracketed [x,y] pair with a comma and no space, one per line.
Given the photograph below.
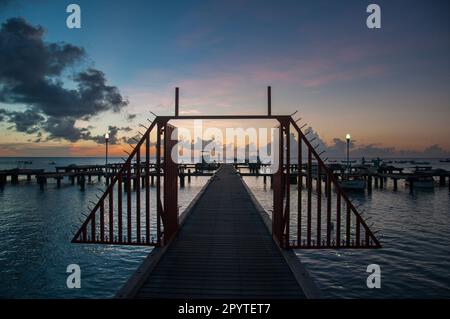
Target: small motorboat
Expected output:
[420,163]
[447,160]
[25,162]
[422,178]
[422,182]
[353,184]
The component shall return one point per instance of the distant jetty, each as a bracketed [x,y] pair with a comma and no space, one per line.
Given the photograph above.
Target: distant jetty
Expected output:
[354,177]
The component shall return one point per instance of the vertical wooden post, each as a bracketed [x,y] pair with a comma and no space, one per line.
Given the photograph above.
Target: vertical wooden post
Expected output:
[348,226]
[287,185]
[102,222]
[328,209]
[138,194]
[170,186]
[319,204]
[128,189]
[119,207]
[269,101]
[177,96]
[158,184]
[111,215]
[147,188]
[299,191]
[309,199]
[338,218]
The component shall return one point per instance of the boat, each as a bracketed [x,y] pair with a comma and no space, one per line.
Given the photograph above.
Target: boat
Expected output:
[52,163]
[447,160]
[422,178]
[420,163]
[422,182]
[353,184]
[25,162]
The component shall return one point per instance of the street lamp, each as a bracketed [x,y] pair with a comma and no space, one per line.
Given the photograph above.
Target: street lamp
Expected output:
[106,155]
[348,138]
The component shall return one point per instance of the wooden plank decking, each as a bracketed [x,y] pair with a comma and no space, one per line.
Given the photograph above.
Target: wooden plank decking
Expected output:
[223,250]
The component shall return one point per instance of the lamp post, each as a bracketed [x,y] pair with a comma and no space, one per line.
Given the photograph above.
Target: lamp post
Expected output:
[106,155]
[348,138]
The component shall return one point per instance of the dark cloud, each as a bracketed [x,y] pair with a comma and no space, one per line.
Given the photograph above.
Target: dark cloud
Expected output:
[27,121]
[131,117]
[126,129]
[65,128]
[32,73]
[436,151]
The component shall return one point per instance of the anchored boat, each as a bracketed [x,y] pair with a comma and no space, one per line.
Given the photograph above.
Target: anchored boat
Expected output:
[353,184]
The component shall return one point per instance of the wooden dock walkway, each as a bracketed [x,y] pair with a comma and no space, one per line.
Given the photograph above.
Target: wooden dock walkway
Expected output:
[222,250]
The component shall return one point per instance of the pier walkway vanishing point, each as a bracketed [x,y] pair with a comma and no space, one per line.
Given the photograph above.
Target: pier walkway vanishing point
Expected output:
[223,250]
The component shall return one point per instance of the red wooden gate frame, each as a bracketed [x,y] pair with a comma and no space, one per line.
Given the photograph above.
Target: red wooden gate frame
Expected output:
[341,226]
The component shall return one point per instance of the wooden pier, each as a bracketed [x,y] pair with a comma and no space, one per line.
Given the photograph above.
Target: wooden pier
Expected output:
[15,173]
[82,174]
[223,250]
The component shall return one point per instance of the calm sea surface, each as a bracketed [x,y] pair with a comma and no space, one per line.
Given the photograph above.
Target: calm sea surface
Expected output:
[36,228]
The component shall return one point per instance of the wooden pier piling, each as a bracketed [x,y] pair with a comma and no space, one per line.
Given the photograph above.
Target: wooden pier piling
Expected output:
[182,177]
[82,182]
[369,183]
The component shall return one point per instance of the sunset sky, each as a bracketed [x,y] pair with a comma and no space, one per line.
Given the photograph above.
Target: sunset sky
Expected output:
[61,89]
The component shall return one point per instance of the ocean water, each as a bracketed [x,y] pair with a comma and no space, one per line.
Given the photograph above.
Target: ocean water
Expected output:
[36,228]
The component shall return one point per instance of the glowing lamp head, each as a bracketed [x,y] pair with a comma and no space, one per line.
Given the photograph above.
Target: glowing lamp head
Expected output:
[348,137]
[106,136]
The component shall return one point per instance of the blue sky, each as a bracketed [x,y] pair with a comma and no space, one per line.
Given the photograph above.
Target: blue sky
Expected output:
[389,87]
